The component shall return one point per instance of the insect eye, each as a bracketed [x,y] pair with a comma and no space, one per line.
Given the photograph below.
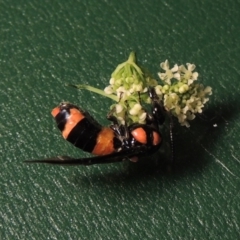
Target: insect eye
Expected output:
[63,105]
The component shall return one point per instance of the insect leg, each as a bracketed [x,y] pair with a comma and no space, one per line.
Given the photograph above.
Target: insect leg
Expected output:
[158,111]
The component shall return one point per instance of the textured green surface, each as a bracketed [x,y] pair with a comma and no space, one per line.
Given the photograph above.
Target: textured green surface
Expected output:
[45,44]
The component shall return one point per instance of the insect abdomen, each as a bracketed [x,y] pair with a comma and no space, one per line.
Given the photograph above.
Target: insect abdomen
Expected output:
[83,131]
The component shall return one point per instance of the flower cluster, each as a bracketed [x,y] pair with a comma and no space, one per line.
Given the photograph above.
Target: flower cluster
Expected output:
[181,94]
[179,91]
[132,112]
[128,78]
[130,84]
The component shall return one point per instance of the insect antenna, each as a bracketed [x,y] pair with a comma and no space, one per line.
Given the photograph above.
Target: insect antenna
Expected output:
[171,135]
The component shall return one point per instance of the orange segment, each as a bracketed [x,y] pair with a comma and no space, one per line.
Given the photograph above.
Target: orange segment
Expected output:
[104,144]
[140,135]
[55,111]
[74,118]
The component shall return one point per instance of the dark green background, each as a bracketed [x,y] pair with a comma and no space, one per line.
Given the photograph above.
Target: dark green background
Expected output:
[45,44]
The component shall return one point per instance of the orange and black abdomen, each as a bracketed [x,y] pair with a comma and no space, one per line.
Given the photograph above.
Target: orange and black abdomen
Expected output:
[83,131]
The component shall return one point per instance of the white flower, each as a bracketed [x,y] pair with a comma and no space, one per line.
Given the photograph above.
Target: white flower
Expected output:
[188,73]
[185,123]
[123,95]
[108,90]
[142,117]
[199,107]
[169,73]
[205,100]
[170,101]
[120,113]
[112,80]
[118,82]
[184,88]
[121,90]
[185,109]
[138,88]
[119,108]
[135,109]
[181,118]
[177,110]
[190,116]
[158,90]
[145,89]
[208,90]
[165,89]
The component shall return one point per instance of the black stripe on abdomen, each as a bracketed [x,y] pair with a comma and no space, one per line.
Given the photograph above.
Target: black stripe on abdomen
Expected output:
[61,119]
[84,135]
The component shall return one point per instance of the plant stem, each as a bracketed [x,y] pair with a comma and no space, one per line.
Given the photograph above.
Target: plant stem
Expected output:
[96,90]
